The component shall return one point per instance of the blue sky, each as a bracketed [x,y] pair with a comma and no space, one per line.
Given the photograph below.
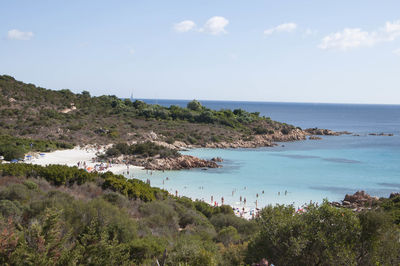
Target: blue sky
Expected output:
[293,51]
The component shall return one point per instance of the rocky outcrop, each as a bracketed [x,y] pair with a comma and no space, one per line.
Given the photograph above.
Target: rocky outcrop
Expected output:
[358,201]
[217,159]
[67,110]
[381,134]
[314,138]
[264,140]
[178,163]
[325,132]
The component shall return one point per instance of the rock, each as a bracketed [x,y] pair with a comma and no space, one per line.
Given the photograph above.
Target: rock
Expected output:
[67,110]
[180,145]
[393,195]
[346,203]
[178,163]
[325,132]
[266,140]
[382,134]
[217,159]
[165,144]
[358,199]
[314,138]
[151,135]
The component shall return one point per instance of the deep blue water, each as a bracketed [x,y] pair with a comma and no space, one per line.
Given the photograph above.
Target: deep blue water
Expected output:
[306,170]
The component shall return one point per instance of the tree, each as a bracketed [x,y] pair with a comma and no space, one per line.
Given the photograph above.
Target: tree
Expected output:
[194,105]
[322,235]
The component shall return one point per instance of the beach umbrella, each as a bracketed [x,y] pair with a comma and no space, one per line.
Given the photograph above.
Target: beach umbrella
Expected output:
[14,161]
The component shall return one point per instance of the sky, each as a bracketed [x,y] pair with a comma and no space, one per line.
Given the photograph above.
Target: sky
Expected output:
[335,51]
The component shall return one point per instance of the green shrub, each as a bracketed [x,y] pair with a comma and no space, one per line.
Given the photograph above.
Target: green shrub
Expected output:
[144,149]
[228,235]
[10,209]
[31,185]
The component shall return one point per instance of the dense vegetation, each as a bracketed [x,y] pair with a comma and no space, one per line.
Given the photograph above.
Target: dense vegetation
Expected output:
[63,175]
[15,148]
[141,150]
[27,110]
[66,216]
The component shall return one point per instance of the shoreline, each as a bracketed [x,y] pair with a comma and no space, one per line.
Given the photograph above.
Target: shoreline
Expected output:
[81,157]
[87,154]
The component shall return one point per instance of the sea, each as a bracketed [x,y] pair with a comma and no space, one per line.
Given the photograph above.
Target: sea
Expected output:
[296,172]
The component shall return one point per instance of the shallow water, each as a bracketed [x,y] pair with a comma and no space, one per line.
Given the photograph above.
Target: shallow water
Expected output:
[304,170]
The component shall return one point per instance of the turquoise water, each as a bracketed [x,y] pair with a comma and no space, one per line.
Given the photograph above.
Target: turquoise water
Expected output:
[301,171]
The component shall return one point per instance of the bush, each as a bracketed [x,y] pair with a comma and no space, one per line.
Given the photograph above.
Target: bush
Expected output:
[285,131]
[144,149]
[228,235]
[113,152]
[260,130]
[31,185]
[194,105]
[10,209]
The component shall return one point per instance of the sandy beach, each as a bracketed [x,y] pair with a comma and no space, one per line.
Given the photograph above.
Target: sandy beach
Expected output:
[85,156]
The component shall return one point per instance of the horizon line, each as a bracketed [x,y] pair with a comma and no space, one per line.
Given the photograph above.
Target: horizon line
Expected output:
[254,101]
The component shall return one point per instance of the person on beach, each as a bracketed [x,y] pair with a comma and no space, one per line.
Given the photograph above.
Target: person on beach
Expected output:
[244,200]
[222,200]
[176,193]
[257,195]
[240,198]
[212,199]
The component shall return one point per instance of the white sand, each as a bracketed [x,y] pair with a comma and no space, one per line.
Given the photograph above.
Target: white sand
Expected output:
[73,156]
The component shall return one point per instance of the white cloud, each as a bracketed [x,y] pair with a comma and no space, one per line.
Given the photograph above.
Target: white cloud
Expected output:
[348,38]
[355,37]
[184,26]
[19,35]
[397,52]
[215,25]
[392,29]
[285,27]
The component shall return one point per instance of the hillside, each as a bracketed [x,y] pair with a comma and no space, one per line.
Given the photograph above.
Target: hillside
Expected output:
[34,112]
